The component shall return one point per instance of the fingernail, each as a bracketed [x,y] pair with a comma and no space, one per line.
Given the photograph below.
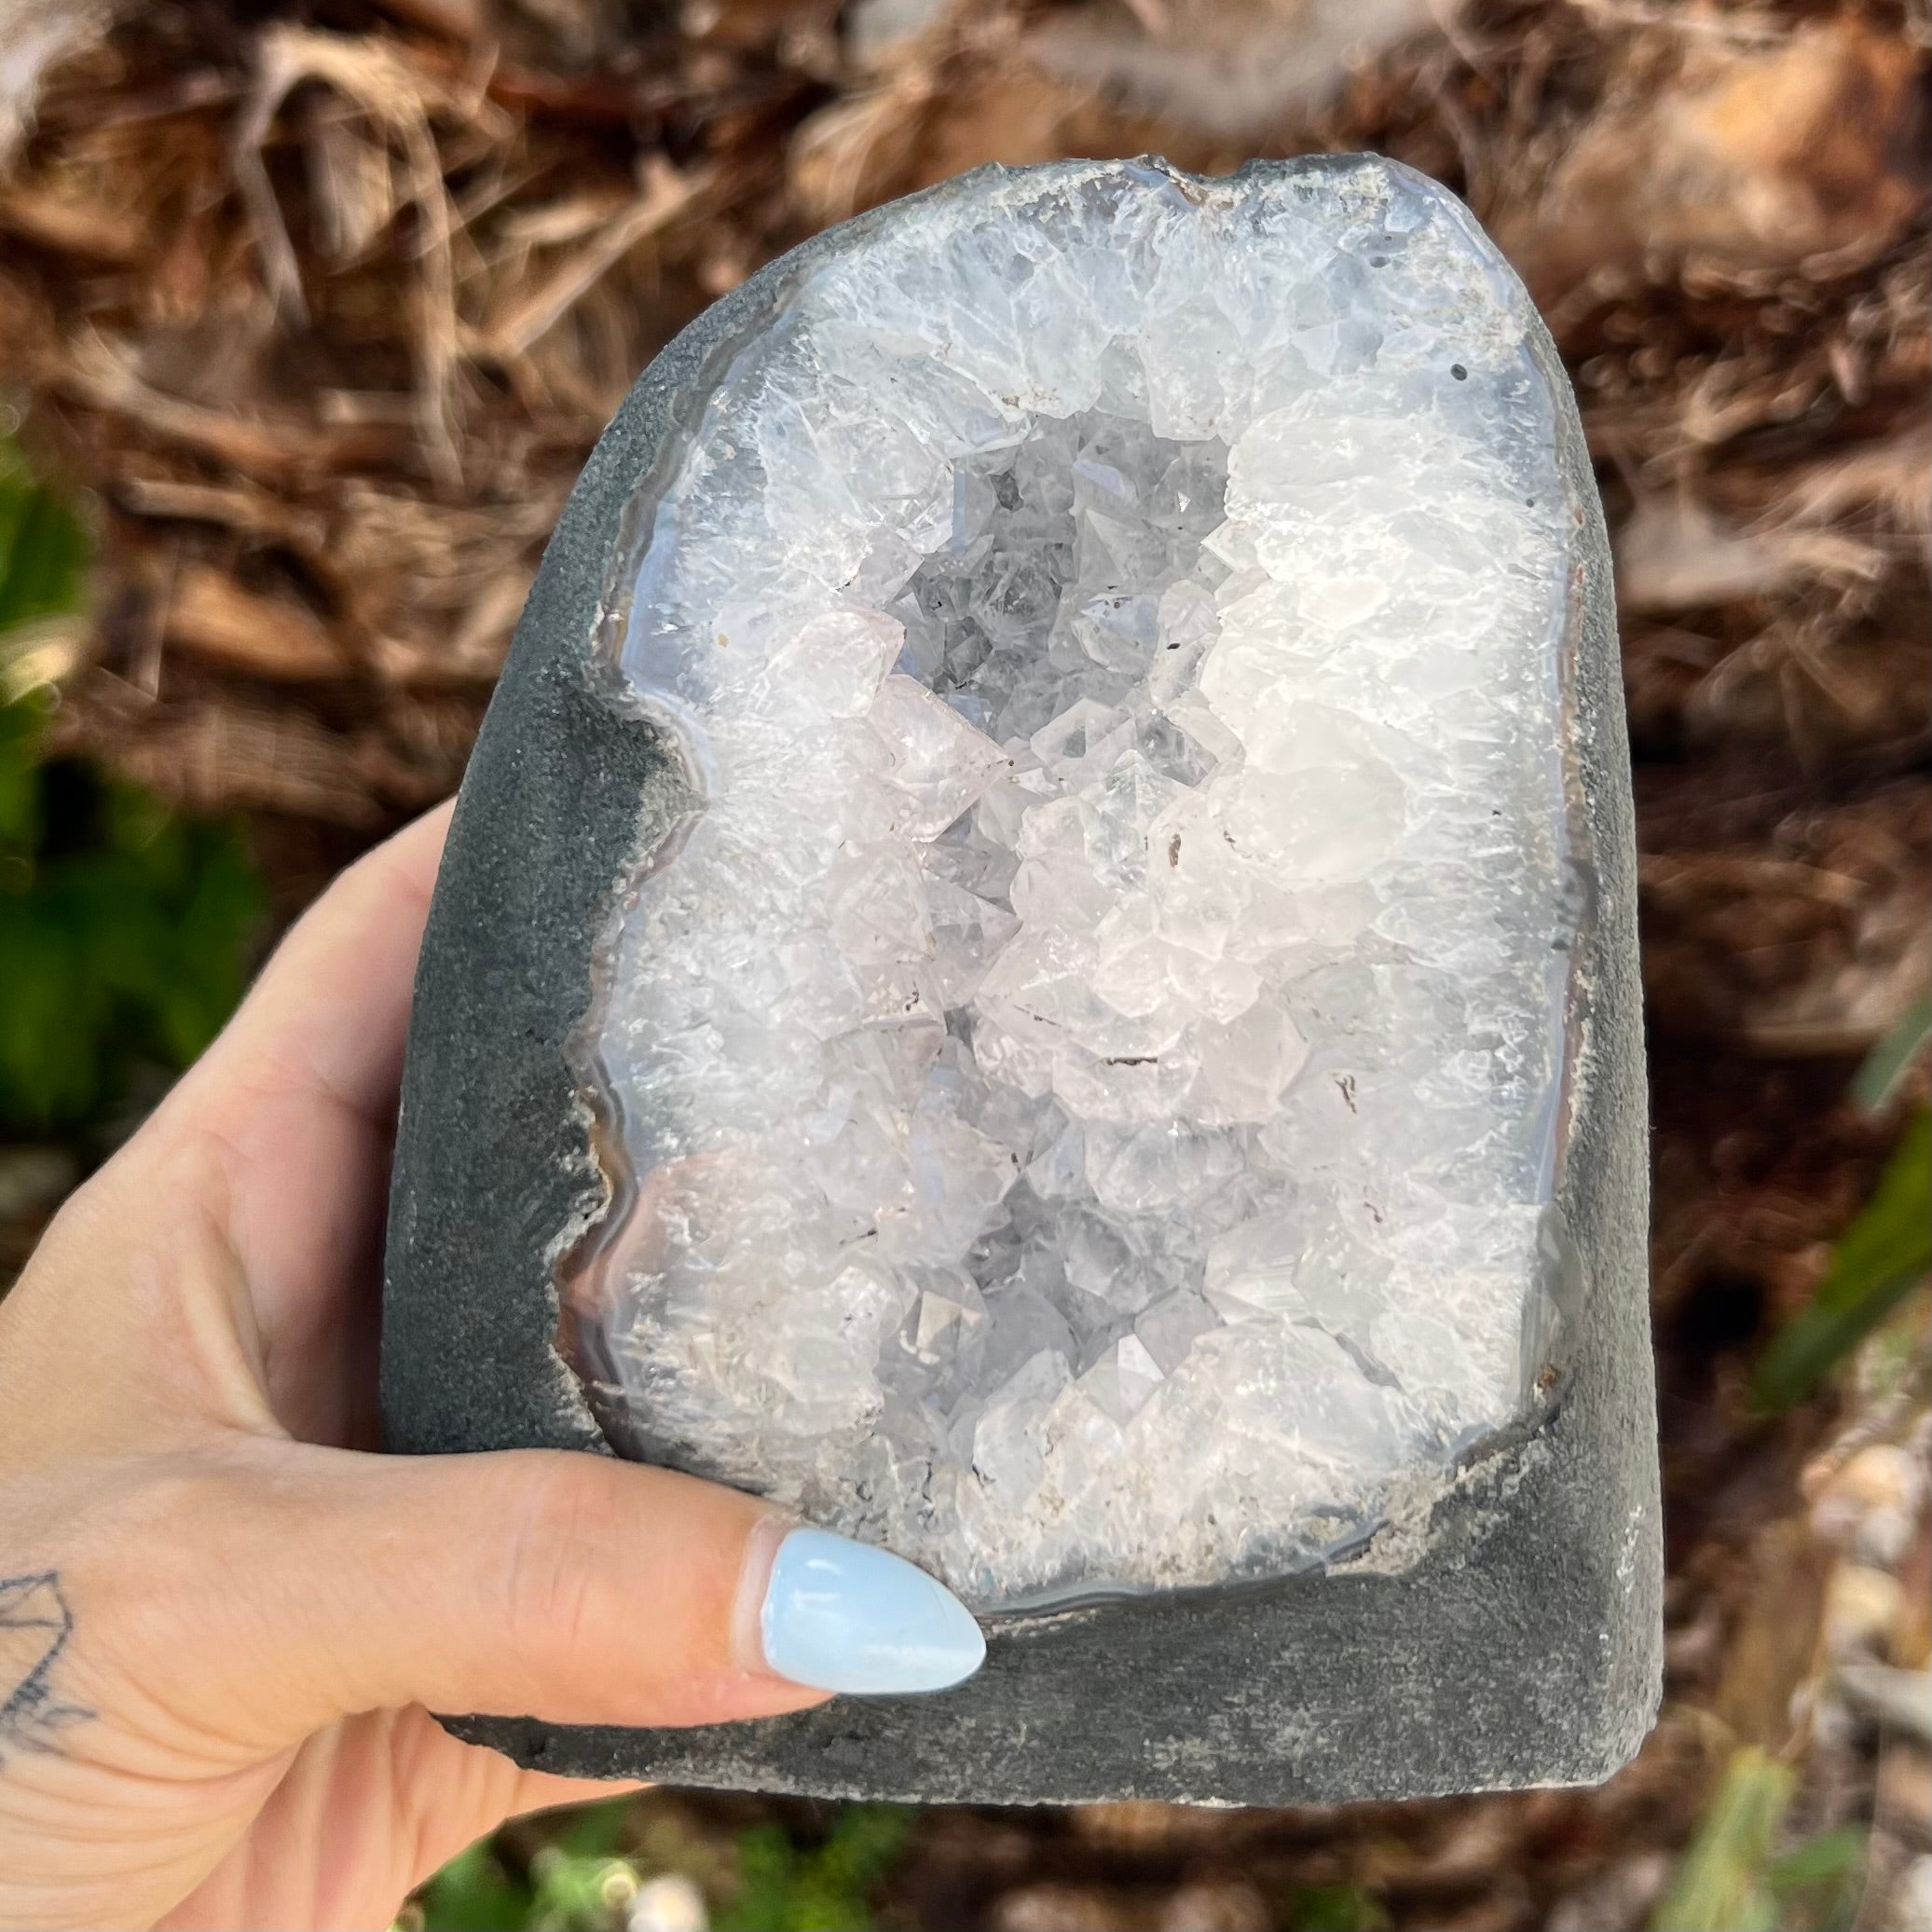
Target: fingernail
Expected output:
[842,1616]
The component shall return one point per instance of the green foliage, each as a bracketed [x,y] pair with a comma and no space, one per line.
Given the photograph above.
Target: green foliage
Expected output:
[1884,1255]
[578,1882]
[1720,1881]
[43,548]
[784,1889]
[1889,1062]
[575,1878]
[594,1831]
[125,929]
[575,1883]
[19,788]
[1823,1878]
[124,941]
[473,1893]
[574,1893]
[1335,1909]
[1729,1881]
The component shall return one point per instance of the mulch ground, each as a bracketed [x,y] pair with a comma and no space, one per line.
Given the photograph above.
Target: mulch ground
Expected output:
[324,305]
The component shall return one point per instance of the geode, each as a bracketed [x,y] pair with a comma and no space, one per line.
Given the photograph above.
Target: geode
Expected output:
[1037,963]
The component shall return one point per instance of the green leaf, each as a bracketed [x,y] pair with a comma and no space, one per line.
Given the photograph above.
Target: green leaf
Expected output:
[126,929]
[767,1860]
[20,790]
[1824,1877]
[596,1830]
[1884,1255]
[1829,1855]
[473,1893]
[573,1892]
[1888,1062]
[1335,1909]
[1721,1881]
[117,954]
[43,547]
[866,1841]
[784,1889]
[50,1017]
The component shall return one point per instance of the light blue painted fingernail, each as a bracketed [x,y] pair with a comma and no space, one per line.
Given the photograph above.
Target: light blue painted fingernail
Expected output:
[840,1615]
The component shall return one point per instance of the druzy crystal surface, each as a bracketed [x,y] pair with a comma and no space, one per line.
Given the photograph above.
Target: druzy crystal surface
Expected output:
[1082,1052]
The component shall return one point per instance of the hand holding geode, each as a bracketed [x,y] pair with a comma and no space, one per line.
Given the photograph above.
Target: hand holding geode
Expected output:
[1037,963]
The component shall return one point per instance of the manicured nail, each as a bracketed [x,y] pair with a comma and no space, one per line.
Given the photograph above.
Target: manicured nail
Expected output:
[840,1615]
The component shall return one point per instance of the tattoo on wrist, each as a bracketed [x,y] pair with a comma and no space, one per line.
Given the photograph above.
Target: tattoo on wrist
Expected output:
[34,1626]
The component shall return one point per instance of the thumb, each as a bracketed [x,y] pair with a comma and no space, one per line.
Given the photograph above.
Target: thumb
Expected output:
[565,1587]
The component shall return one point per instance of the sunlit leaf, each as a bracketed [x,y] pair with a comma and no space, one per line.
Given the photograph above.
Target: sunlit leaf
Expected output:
[1824,1877]
[1828,1855]
[1888,1062]
[1720,1881]
[783,1889]
[473,1893]
[43,547]
[1885,1254]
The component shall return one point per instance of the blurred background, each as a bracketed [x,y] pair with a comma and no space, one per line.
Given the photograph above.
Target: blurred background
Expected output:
[309,313]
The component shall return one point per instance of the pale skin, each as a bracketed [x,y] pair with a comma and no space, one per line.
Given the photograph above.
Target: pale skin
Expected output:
[224,1618]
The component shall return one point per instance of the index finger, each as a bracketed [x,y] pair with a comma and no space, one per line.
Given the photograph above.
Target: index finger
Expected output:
[327,1018]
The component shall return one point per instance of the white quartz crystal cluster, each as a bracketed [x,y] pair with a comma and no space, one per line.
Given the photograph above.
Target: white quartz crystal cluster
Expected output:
[1090,1057]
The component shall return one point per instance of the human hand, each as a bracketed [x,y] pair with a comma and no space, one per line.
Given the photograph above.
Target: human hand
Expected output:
[224,1622]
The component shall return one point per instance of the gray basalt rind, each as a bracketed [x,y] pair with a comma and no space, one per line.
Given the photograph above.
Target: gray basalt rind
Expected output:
[1522,1647]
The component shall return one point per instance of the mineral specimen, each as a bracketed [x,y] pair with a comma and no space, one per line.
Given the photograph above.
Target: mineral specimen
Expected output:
[1084,1056]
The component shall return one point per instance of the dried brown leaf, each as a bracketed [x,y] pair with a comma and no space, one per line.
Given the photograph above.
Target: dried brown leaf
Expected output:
[212,616]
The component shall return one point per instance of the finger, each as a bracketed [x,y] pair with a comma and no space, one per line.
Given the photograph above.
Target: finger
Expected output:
[314,1584]
[432,1795]
[535,1791]
[293,1109]
[326,1019]
[232,1245]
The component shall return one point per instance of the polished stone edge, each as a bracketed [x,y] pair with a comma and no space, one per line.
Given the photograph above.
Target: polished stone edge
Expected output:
[1524,1646]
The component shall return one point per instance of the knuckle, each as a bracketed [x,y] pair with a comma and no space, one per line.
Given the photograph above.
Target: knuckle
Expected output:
[565,1525]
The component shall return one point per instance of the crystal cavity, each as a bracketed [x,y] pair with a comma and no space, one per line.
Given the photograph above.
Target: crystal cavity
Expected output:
[1084,1055]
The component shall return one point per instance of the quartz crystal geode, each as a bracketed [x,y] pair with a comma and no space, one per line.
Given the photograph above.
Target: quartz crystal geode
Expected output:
[1037,962]
[1085,1050]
